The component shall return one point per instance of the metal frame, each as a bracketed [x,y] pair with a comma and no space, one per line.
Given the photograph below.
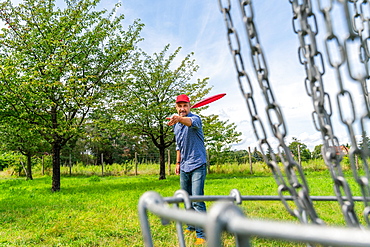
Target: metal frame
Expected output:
[225,216]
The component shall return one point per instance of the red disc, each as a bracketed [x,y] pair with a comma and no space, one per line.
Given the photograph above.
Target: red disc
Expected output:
[208,100]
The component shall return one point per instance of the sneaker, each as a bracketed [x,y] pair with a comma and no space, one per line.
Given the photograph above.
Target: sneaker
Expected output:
[200,241]
[187,231]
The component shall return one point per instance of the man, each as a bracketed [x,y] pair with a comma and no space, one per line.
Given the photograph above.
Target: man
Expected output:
[191,155]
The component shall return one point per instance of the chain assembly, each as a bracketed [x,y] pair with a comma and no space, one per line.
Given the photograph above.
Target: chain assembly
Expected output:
[358,30]
[296,186]
[305,26]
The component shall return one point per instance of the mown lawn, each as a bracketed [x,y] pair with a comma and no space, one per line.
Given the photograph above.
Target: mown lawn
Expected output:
[102,211]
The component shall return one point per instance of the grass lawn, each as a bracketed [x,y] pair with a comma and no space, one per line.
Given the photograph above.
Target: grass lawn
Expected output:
[102,211]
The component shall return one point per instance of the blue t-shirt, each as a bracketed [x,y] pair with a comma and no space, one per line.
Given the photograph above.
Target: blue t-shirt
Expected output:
[190,142]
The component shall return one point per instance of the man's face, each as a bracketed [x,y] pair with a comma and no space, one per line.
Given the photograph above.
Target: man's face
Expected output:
[183,108]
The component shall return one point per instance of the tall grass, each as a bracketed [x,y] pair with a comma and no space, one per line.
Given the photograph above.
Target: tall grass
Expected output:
[95,210]
[258,168]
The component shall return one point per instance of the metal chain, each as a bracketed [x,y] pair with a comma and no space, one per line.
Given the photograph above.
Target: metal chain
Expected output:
[305,26]
[357,28]
[297,185]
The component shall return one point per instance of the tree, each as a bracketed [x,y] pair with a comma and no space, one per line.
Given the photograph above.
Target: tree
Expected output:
[316,153]
[58,64]
[365,143]
[304,152]
[105,137]
[257,155]
[14,136]
[242,156]
[218,135]
[147,96]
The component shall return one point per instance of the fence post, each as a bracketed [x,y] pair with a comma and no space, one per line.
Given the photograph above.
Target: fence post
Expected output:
[25,170]
[102,165]
[43,165]
[208,163]
[169,161]
[250,160]
[135,163]
[70,164]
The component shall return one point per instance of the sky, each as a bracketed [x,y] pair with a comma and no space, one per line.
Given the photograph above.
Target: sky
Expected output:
[199,27]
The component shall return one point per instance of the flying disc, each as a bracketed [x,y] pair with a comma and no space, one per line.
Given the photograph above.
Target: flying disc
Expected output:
[208,100]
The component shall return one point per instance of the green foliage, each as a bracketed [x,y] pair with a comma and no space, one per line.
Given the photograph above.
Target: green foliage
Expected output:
[296,146]
[106,140]
[16,136]
[257,156]
[365,142]
[316,154]
[58,65]
[218,136]
[114,169]
[149,91]
[10,159]
[345,161]
[127,167]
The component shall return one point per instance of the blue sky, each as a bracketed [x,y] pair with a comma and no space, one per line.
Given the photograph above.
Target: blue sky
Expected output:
[198,26]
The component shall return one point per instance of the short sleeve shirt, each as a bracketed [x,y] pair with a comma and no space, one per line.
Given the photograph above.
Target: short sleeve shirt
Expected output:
[190,142]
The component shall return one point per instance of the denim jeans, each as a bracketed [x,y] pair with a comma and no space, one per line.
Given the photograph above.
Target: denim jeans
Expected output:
[193,183]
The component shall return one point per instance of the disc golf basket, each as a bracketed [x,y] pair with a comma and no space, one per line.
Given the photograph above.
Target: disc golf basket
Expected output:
[345,56]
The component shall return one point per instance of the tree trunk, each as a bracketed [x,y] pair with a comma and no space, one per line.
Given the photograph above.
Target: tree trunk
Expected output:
[169,162]
[43,165]
[70,164]
[136,162]
[29,167]
[208,162]
[162,164]
[56,167]
[102,164]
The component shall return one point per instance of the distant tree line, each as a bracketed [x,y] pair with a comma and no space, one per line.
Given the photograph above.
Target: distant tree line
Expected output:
[298,149]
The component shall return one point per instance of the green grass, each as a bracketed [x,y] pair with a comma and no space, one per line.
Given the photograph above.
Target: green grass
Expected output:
[102,211]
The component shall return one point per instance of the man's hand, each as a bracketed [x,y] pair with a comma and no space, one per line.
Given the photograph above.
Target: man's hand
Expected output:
[173,120]
[177,170]
[176,119]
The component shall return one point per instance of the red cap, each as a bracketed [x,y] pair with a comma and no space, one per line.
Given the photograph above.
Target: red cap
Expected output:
[182,98]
